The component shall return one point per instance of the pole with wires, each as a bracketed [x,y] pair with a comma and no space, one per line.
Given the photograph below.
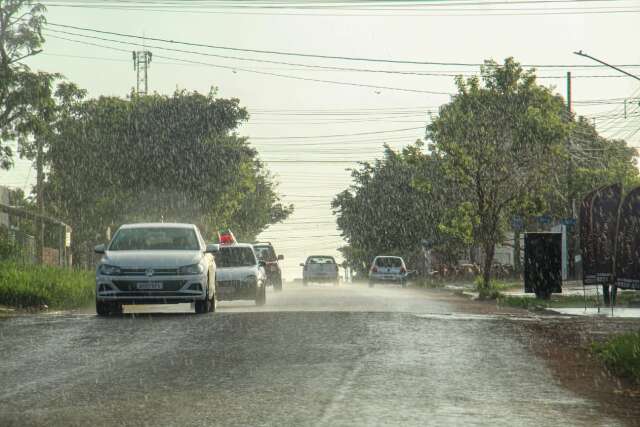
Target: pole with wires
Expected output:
[141,63]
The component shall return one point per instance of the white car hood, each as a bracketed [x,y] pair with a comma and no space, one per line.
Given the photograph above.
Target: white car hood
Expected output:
[236,273]
[143,259]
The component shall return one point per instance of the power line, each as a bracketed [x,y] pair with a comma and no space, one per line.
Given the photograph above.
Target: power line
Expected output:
[335,135]
[310,55]
[235,69]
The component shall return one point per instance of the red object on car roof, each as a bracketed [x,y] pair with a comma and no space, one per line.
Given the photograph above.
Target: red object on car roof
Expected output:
[226,237]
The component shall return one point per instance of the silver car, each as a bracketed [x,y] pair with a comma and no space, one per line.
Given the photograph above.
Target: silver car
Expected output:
[240,275]
[155,263]
[320,268]
[389,269]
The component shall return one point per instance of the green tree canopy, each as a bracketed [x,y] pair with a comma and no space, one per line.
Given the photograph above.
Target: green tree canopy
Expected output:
[498,139]
[384,213]
[154,158]
[22,92]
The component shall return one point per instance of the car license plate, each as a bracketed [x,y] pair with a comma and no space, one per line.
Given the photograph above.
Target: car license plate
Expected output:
[149,285]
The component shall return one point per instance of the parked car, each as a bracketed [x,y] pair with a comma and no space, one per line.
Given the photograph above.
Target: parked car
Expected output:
[155,264]
[390,269]
[240,275]
[320,268]
[266,253]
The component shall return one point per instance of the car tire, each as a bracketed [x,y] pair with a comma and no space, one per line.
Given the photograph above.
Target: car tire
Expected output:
[203,306]
[103,308]
[117,309]
[261,297]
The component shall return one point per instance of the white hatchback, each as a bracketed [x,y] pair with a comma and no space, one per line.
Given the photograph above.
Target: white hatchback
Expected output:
[240,275]
[390,269]
[155,263]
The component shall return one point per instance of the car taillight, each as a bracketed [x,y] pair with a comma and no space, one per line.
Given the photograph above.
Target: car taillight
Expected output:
[374,269]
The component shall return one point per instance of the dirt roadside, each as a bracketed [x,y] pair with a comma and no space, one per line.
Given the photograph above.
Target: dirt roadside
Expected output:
[564,343]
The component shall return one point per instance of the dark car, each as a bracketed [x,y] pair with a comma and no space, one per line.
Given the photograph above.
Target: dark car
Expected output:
[266,253]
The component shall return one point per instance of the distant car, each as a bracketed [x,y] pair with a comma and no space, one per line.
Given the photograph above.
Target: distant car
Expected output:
[240,275]
[155,263]
[266,253]
[390,269]
[320,268]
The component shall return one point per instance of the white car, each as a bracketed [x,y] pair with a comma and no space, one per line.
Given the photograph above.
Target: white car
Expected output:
[320,268]
[240,275]
[155,263]
[391,269]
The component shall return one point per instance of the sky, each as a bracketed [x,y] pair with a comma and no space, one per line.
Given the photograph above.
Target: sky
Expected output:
[294,121]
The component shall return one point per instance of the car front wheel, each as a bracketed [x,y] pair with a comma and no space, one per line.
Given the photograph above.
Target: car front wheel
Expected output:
[203,306]
[103,308]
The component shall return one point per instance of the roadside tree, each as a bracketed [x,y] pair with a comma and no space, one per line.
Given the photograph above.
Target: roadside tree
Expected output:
[497,140]
[22,92]
[156,158]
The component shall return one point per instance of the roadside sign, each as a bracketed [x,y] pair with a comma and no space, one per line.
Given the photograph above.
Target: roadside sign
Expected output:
[568,221]
[517,223]
[544,219]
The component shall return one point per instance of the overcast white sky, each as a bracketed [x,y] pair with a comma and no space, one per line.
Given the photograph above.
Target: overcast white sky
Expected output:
[531,39]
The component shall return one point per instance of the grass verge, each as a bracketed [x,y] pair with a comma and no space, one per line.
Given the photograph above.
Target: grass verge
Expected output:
[621,354]
[624,299]
[34,285]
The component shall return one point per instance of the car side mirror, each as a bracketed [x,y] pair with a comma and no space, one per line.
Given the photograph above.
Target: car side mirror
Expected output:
[280,257]
[212,248]
[301,264]
[100,249]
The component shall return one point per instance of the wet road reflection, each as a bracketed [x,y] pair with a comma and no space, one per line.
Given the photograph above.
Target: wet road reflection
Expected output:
[313,356]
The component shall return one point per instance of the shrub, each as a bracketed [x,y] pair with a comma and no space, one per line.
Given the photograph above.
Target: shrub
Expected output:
[33,285]
[621,354]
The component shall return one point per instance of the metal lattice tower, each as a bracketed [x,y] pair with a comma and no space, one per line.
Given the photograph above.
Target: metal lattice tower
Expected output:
[141,63]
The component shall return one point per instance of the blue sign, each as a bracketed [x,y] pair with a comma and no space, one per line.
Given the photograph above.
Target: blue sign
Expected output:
[568,221]
[517,223]
[544,219]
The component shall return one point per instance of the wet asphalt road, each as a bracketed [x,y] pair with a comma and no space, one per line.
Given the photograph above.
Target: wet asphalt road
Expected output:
[317,356]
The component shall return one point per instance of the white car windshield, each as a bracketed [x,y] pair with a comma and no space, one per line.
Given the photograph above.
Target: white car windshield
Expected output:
[155,238]
[235,257]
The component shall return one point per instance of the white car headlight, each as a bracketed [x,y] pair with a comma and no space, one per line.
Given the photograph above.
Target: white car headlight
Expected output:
[109,270]
[192,269]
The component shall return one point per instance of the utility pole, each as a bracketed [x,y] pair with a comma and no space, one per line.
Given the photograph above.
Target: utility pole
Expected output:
[40,200]
[572,241]
[141,64]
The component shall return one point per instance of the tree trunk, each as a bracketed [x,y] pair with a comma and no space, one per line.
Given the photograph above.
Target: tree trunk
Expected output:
[489,251]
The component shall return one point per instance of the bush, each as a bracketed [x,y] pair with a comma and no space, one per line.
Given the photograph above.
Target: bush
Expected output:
[8,249]
[33,285]
[621,355]
[492,291]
